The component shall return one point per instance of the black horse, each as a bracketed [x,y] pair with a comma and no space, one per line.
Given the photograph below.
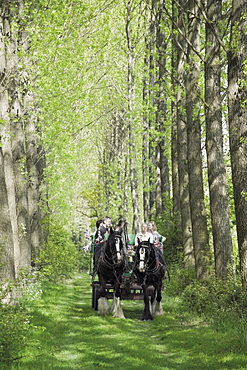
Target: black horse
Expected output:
[111,261]
[150,268]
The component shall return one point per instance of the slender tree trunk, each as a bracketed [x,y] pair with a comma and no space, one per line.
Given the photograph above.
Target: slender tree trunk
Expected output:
[174,130]
[163,181]
[237,88]
[7,262]
[9,248]
[189,259]
[130,93]
[145,169]
[19,119]
[8,66]
[219,204]
[159,182]
[198,211]
[145,146]
[34,199]
[37,192]
[152,115]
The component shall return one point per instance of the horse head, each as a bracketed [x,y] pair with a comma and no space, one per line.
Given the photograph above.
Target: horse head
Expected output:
[119,244]
[115,247]
[143,254]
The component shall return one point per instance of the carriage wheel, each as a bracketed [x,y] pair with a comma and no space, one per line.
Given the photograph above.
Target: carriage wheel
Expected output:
[95,297]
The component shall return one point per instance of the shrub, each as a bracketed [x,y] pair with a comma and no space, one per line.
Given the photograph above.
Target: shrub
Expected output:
[212,297]
[15,325]
[180,278]
[85,260]
[59,256]
[14,330]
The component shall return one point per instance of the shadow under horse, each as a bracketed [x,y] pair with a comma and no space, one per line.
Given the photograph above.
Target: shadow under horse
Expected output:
[111,260]
[150,269]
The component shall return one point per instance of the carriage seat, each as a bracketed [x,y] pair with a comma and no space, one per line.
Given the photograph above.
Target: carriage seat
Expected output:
[131,244]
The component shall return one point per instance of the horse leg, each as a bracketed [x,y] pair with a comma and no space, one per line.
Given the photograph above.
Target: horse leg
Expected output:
[116,309]
[103,305]
[154,300]
[157,307]
[146,315]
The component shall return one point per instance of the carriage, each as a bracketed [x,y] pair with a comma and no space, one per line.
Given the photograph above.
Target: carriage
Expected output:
[130,289]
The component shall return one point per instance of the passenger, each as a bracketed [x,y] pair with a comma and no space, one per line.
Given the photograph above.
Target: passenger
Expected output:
[158,239]
[144,235]
[89,236]
[103,229]
[99,223]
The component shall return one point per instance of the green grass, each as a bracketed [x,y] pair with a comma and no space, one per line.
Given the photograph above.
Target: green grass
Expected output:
[74,336]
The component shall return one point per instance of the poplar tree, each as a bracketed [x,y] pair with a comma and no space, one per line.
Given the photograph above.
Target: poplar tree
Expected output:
[237,96]
[182,141]
[21,195]
[219,203]
[193,109]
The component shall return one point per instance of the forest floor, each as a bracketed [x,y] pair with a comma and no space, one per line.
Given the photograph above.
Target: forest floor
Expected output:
[71,335]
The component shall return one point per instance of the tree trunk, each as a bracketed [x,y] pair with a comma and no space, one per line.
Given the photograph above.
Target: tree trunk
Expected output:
[174,130]
[197,207]
[7,263]
[29,153]
[18,118]
[18,146]
[8,66]
[219,205]
[152,115]
[237,125]
[37,194]
[189,259]
[130,94]
[9,248]
[145,145]
[162,179]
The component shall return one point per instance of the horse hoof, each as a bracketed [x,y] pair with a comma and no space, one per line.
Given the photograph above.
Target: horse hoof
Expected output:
[119,316]
[103,306]
[159,313]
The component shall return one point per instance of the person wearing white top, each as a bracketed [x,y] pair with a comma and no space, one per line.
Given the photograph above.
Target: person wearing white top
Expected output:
[144,235]
[158,239]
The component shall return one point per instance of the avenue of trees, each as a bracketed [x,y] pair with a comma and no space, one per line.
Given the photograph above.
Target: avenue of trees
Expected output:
[125,107]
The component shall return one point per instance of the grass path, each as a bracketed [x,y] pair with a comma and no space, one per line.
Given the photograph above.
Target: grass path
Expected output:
[76,337]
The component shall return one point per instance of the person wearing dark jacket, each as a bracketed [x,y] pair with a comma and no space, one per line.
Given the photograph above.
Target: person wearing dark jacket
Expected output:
[103,229]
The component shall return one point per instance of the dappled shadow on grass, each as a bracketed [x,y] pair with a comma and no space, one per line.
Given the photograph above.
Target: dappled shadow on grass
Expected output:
[76,337]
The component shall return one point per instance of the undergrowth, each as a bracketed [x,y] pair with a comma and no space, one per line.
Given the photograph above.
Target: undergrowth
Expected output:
[58,259]
[15,320]
[59,256]
[223,304]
